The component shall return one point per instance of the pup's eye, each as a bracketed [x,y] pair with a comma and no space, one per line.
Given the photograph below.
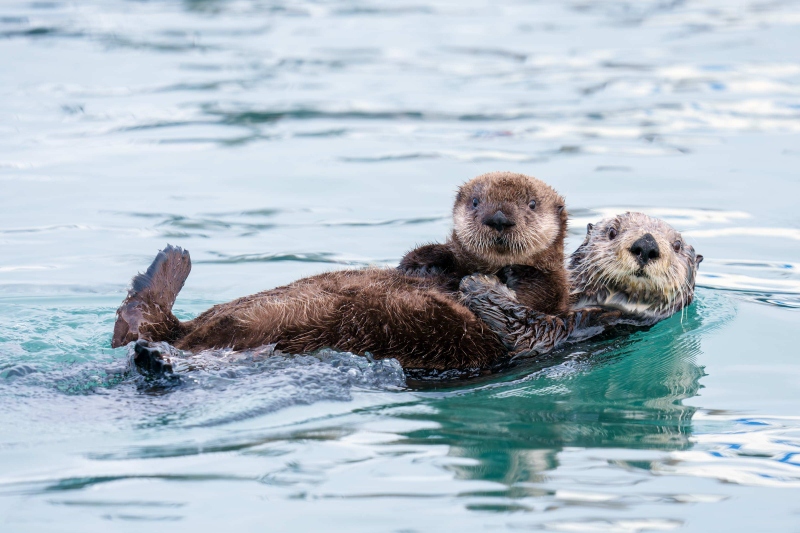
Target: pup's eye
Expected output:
[677,245]
[475,202]
[532,204]
[612,234]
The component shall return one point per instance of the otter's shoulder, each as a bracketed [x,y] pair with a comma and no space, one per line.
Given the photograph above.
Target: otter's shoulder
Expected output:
[430,260]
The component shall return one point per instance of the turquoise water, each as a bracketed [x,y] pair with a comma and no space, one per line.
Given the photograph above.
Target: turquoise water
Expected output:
[276,139]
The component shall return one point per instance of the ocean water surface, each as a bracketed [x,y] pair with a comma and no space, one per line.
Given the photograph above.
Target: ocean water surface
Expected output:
[276,139]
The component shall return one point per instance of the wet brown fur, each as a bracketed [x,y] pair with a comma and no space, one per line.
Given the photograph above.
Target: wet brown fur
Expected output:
[610,286]
[390,314]
[380,311]
[603,271]
[528,256]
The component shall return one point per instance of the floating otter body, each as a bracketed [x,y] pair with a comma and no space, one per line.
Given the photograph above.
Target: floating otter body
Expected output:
[406,317]
[507,224]
[635,267]
[380,311]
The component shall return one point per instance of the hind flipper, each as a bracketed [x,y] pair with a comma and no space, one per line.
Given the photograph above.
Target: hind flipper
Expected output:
[150,360]
[147,311]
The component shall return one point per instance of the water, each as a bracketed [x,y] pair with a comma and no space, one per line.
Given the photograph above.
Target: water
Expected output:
[279,139]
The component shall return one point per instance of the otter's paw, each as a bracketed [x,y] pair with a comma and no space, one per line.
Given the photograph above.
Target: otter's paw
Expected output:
[478,285]
[496,305]
[487,294]
[150,359]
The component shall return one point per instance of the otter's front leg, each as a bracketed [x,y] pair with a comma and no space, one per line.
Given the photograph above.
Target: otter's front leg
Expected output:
[543,290]
[525,331]
[428,260]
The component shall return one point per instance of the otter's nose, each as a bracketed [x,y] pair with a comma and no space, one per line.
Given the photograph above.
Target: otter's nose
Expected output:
[645,249]
[498,221]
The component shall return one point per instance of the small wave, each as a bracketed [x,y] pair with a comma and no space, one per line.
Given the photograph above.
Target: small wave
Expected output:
[245,222]
[241,115]
[44,229]
[774,283]
[389,222]
[307,257]
[676,216]
[468,156]
[783,233]
[26,268]
[753,450]
[383,10]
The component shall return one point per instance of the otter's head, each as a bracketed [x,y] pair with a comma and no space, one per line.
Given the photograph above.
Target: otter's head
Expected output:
[635,263]
[506,218]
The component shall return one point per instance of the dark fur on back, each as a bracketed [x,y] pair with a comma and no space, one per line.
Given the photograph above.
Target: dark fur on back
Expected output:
[410,318]
[380,311]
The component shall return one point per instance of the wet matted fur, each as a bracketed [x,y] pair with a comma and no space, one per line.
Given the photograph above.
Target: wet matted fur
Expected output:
[507,224]
[410,318]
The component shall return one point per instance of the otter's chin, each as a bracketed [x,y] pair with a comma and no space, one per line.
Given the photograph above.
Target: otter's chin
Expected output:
[635,280]
[501,247]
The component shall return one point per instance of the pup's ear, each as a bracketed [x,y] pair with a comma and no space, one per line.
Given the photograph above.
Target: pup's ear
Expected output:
[589,228]
[698,259]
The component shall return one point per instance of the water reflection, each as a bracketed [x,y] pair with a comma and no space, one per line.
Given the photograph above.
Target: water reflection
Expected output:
[624,392]
[278,138]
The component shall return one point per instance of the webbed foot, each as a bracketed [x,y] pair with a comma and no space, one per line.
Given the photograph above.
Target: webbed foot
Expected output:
[148,305]
[150,359]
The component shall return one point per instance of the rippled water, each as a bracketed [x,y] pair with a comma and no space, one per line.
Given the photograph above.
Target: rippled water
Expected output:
[276,139]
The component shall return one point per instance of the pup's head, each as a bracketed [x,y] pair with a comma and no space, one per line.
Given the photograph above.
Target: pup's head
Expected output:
[507,218]
[636,263]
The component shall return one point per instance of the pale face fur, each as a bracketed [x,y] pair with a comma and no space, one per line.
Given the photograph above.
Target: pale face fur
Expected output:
[533,210]
[619,266]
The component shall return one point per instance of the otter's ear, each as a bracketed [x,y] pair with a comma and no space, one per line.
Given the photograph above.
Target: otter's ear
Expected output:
[698,259]
[560,209]
[589,228]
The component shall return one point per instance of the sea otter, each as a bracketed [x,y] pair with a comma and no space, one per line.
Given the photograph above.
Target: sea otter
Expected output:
[635,267]
[410,318]
[507,224]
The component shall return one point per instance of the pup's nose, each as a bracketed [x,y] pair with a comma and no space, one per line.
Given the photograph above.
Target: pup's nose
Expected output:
[645,249]
[498,221]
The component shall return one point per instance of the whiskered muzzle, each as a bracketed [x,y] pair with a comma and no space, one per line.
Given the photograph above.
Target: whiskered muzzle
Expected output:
[634,263]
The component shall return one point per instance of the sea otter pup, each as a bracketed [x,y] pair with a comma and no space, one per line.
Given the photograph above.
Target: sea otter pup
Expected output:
[507,224]
[390,314]
[636,267]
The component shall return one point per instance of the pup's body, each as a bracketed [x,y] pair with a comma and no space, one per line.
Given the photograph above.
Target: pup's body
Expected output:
[507,224]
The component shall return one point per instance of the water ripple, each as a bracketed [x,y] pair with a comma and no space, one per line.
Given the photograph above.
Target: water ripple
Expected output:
[755,451]
[308,257]
[766,282]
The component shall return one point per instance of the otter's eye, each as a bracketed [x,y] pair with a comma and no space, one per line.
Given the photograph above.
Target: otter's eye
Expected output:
[475,202]
[532,204]
[677,245]
[612,234]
